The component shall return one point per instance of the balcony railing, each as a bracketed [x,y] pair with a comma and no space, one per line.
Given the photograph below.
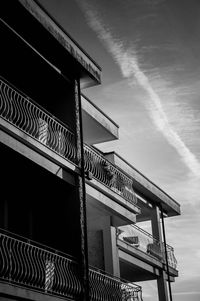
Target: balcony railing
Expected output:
[28,264]
[105,287]
[172,261]
[145,242]
[108,174]
[28,116]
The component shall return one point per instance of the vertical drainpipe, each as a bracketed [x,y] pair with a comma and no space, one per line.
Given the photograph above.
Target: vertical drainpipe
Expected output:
[166,257]
[82,192]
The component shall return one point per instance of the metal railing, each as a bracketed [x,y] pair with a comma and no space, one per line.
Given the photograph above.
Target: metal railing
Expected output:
[145,242]
[29,117]
[109,174]
[29,264]
[105,287]
[172,261]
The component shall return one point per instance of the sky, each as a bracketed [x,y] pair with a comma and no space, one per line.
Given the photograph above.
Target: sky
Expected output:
[149,52]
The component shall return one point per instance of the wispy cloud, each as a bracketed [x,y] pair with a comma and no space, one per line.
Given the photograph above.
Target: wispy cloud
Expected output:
[187,293]
[127,60]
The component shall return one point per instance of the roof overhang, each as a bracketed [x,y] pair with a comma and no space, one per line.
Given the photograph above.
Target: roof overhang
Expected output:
[60,46]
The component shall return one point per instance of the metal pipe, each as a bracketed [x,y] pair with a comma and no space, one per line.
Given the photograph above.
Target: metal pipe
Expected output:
[166,257]
[82,192]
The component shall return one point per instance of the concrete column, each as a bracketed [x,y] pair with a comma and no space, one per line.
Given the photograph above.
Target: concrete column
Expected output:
[157,233]
[162,287]
[155,224]
[111,257]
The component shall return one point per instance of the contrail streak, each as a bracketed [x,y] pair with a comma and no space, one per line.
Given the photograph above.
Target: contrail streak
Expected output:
[129,65]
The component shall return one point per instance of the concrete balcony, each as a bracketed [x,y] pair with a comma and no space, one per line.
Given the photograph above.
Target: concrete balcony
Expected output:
[110,188]
[97,126]
[33,126]
[29,269]
[142,256]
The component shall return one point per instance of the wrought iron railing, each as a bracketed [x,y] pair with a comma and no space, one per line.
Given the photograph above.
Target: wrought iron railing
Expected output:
[23,113]
[105,287]
[172,261]
[26,264]
[145,242]
[109,174]
[29,264]
[28,116]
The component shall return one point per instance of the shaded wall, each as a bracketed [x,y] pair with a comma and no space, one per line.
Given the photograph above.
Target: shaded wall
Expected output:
[38,205]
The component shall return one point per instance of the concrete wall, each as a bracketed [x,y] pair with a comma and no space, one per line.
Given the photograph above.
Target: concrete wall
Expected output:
[95,249]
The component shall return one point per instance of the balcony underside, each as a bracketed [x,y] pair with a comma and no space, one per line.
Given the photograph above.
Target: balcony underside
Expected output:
[98,205]
[97,127]
[50,40]
[135,269]
[9,292]
[106,197]
[137,265]
[35,151]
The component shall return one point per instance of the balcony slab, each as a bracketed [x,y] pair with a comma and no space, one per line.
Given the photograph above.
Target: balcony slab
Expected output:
[97,126]
[99,202]
[35,151]
[10,292]
[109,193]
[134,256]
[135,269]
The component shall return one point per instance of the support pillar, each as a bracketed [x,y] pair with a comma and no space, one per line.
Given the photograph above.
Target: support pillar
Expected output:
[157,233]
[111,257]
[155,224]
[162,287]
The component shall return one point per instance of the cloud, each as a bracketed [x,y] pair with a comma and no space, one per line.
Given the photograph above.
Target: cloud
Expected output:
[127,60]
[187,293]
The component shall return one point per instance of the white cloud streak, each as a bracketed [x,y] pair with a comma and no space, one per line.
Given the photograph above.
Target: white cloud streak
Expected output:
[186,293]
[127,60]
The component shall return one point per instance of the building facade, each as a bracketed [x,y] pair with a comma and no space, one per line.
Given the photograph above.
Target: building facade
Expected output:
[69,214]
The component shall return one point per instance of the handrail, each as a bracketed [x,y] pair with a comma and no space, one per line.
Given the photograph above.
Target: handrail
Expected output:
[25,264]
[147,243]
[23,113]
[144,232]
